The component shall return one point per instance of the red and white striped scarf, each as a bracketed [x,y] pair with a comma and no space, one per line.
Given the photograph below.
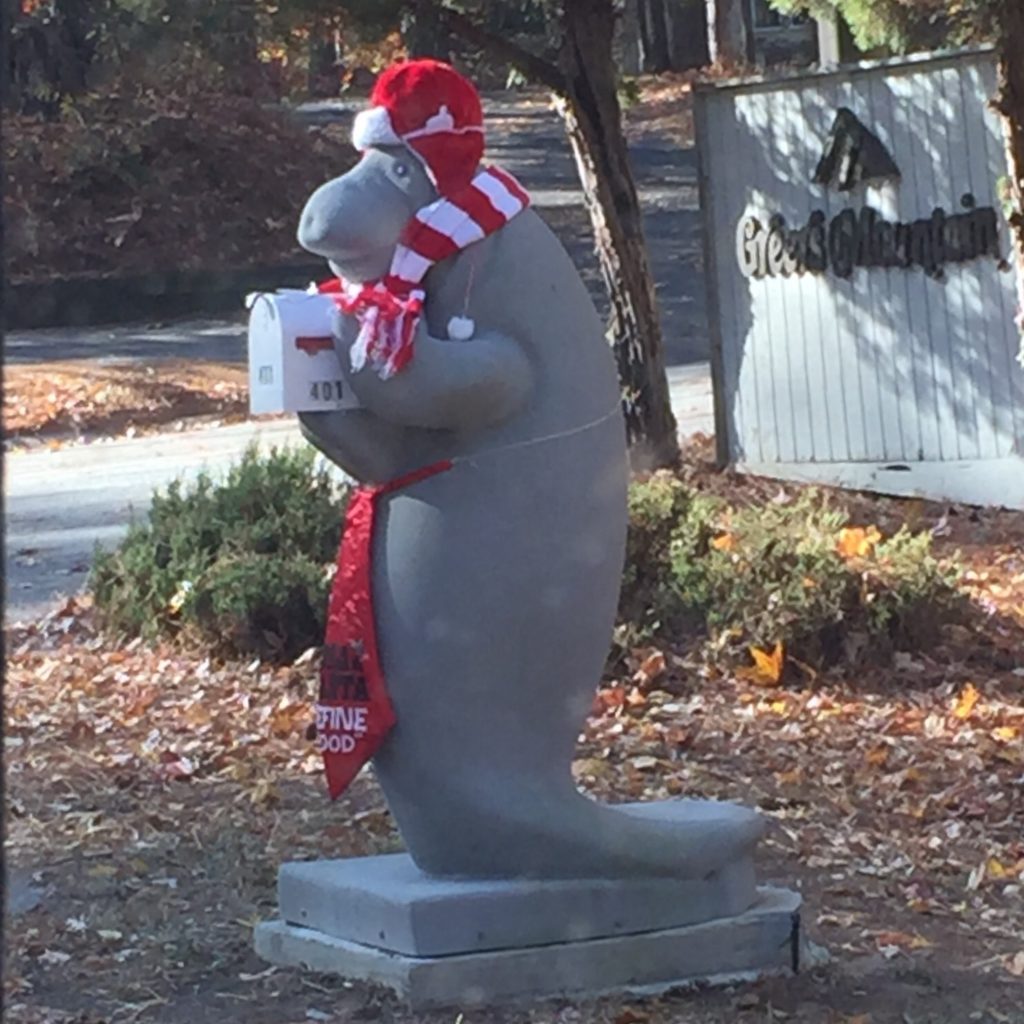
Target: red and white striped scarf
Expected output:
[389,309]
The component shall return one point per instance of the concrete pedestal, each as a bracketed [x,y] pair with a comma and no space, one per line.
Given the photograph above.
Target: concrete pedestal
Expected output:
[443,942]
[764,939]
[388,903]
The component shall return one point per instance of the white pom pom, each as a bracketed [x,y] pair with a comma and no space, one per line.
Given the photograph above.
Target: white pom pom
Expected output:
[461,328]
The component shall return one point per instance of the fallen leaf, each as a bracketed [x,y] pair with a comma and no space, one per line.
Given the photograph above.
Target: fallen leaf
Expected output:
[264,793]
[644,763]
[877,756]
[609,699]
[995,869]
[857,542]
[243,976]
[175,766]
[977,876]
[632,1015]
[635,698]
[767,668]
[965,703]
[650,668]
[54,957]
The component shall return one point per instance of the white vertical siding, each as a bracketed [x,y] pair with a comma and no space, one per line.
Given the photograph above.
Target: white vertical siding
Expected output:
[890,365]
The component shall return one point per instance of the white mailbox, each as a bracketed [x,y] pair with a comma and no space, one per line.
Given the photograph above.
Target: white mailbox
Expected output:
[293,365]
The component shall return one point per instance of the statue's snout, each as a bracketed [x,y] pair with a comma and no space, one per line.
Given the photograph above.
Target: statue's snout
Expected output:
[355,221]
[329,223]
[314,229]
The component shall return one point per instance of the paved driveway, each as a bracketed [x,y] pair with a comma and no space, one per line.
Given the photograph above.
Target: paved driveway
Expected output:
[60,504]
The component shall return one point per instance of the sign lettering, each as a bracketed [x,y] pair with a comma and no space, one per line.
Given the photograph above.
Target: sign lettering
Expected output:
[866,239]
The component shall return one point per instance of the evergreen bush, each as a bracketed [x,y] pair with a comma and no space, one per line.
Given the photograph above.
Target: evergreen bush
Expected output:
[796,573]
[242,565]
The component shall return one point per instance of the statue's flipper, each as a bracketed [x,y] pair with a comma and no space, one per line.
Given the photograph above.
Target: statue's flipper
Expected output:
[448,385]
[363,446]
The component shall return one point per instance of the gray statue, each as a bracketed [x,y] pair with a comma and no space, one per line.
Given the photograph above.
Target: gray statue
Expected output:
[495,581]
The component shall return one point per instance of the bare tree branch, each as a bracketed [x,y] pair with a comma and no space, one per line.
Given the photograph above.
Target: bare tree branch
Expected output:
[535,68]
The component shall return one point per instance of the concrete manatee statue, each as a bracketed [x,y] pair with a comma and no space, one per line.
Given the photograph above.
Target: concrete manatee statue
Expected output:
[495,582]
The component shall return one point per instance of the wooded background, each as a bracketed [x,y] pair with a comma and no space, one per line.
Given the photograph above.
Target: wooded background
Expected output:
[107,92]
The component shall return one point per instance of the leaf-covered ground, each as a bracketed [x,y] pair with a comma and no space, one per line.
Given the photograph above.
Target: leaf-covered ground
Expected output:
[54,403]
[152,794]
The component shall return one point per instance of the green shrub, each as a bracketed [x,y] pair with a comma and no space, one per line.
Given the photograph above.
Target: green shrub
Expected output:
[669,526]
[241,565]
[793,573]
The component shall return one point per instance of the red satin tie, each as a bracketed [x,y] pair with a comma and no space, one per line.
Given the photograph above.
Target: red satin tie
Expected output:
[354,713]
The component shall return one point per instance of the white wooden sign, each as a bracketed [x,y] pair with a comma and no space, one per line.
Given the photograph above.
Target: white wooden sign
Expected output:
[861,294]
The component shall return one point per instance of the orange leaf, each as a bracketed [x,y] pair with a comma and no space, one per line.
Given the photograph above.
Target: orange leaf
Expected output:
[635,699]
[995,869]
[609,699]
[969,696]
[650,668]
[767,667]
[724,543]
[856,541]
[904,940]
[1006,733]
[877,756]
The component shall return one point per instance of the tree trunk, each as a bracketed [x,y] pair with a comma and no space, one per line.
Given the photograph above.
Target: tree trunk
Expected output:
[425,37]
[590,108]
[236,49]
[654,50]
[730,32]
[687,30]
[323,78]
[1010,103]
[629,44]
[77,45]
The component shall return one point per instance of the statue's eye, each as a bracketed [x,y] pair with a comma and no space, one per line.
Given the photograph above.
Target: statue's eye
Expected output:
[401,170]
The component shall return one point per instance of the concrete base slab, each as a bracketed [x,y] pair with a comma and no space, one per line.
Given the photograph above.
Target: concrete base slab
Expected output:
[765,939]
[389,903]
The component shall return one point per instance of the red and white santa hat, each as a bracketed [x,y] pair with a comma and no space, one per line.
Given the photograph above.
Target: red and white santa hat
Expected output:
[431,109]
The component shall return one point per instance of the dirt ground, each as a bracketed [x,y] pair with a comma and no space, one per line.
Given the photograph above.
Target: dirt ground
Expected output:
[151,795]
